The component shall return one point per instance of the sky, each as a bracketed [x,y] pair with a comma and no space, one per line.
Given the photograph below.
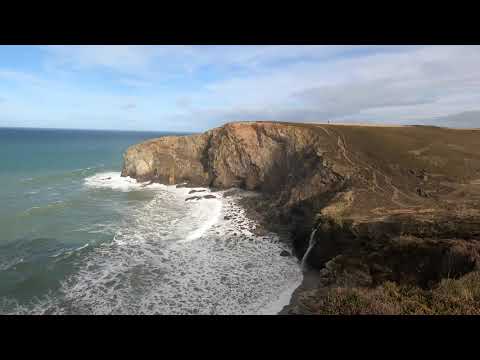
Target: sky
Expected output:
[194,88]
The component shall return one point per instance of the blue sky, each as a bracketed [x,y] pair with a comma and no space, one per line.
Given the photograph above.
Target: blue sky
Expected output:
[193,88]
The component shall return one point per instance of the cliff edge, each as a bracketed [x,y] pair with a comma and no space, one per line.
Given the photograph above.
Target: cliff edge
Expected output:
[367,206]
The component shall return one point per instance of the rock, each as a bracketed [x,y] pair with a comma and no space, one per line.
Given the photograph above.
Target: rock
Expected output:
[422,192]
[193,198]
[232,192]
[355,185]
[195,159]
[148,183]
[226,218]
[285,253]
[196,191]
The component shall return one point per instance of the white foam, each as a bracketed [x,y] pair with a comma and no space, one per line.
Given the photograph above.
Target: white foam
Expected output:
[111,180]
[153,266]
[46,208]
[212,207]
[114,181]
[283,300]
[31,209]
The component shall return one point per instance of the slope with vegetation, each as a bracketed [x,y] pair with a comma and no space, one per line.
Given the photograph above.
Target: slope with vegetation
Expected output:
[388,217]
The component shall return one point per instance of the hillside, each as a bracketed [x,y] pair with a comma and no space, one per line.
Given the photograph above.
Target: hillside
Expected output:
[369,205]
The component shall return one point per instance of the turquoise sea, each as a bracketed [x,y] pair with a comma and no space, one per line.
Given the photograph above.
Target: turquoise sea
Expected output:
[76,238]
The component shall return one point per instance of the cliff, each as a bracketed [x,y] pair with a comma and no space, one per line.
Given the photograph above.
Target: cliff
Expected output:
[371,204]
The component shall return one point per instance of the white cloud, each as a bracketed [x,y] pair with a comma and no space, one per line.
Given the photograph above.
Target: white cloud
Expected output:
[125,58]
[181,60]
[129,106]
[404,86]
[202,86]
[19,77]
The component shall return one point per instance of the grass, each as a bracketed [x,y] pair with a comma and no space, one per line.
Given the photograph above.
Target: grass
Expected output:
[396,145]
[450,297]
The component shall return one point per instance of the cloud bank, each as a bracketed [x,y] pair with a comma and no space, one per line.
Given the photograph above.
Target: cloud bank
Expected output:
[197,87]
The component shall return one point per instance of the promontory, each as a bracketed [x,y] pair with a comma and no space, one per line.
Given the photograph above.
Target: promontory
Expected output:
[389,216]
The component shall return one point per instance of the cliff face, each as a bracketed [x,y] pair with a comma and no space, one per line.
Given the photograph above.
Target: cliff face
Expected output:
[386,203]
[267,157]
[168,160]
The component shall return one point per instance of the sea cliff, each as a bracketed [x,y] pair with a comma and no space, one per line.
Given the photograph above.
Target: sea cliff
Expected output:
[377,211]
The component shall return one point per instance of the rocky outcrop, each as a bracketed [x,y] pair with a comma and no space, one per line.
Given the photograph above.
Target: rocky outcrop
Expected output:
[387,203]
[169,160]
[264,157]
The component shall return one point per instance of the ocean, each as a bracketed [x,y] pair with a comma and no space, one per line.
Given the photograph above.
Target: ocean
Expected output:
[76,238]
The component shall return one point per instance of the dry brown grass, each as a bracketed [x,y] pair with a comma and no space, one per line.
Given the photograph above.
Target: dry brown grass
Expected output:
[450,297]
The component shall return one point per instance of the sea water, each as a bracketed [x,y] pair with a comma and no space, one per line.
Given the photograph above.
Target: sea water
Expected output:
[76,238]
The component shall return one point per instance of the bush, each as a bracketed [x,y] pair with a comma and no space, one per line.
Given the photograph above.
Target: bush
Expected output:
[449,297]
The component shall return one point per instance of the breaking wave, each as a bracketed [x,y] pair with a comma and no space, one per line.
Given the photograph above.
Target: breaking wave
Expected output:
[172,256]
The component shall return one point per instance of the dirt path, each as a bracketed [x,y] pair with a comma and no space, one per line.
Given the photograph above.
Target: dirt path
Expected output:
[343,148]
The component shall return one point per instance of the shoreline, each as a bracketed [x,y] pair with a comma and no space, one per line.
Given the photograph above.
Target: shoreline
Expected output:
[226,220]
[287,295]
[364,218]
[239,198]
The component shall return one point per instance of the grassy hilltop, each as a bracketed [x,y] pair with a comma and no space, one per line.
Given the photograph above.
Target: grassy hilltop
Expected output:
[386,214]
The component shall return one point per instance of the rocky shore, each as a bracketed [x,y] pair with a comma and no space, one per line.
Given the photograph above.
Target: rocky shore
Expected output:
[389,217]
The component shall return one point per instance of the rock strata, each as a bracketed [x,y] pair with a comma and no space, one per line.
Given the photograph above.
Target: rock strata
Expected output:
[394,204]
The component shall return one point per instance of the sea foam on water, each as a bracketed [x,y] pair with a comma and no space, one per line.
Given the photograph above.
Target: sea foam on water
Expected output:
[172,256]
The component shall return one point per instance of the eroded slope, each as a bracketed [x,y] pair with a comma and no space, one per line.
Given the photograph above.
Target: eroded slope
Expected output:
[386,203]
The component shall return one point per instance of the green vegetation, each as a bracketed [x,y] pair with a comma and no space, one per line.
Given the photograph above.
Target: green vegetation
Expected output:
[450,297]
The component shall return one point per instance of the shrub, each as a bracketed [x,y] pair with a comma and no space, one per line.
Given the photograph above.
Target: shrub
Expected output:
[449,297]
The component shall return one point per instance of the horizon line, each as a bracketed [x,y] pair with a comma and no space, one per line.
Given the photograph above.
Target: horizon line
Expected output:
[85,129]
